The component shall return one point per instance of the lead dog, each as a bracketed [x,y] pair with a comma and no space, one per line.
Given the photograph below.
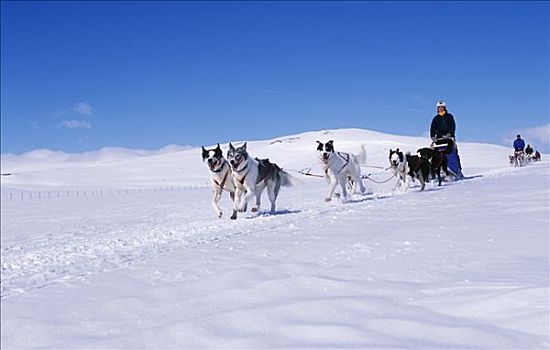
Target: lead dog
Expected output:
[220,176]
[341,168]
[405,164]
[251,176]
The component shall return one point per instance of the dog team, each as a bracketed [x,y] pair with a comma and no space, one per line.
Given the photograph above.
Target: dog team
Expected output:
[245,178]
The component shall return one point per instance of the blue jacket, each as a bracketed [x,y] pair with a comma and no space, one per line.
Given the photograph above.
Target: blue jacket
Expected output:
[519,145]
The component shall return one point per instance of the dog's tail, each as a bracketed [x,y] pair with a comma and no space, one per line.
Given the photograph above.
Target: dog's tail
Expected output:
[362,156]
[288,180]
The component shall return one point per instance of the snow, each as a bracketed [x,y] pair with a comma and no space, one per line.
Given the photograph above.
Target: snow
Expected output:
[463,265]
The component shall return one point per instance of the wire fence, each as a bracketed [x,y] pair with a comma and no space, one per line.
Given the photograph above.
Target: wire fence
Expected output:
[40,195]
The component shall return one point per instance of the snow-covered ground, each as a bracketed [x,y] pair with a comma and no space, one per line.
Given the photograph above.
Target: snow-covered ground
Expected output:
[462,265]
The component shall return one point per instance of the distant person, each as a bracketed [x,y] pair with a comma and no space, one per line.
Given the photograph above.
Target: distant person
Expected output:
[529,150]
[537,156]
[519,144]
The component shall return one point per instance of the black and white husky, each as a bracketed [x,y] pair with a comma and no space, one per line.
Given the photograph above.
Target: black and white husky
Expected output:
[341,168]
[251,176]
[406,164]
[221,177]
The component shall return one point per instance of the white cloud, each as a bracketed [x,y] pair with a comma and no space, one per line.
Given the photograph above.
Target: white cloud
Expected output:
[83,108]
[537,135]
[75,124]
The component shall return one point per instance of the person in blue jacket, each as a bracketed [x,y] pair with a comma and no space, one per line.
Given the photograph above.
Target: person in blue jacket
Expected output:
[519,144]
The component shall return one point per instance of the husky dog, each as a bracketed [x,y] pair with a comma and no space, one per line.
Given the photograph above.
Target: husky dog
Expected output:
[438,161]
[406,164]
[341,168]
[220,176]
[519,158]
[251,176]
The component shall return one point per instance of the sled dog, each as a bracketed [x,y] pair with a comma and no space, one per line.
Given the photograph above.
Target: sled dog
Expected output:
[251,176]
[221,177]
[438,162]
[341,168]
[406,164]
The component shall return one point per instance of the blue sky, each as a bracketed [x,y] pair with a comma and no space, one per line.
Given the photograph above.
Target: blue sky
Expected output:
[79,76]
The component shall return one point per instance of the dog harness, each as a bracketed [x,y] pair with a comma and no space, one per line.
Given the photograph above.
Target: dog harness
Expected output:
[241,180]
[346,160]
[222,183]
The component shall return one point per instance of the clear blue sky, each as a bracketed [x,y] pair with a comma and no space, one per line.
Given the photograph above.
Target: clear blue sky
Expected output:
[79,76]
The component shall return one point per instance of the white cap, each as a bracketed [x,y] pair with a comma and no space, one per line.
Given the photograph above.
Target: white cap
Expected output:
[440,104]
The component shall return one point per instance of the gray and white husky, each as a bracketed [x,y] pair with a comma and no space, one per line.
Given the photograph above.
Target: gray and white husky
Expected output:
[341,168]
[221,177]
[251,176]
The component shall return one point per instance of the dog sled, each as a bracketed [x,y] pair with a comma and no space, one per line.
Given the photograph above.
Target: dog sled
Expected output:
[446,147]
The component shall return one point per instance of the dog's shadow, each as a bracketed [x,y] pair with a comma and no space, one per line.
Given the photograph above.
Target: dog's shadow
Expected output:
[432,189]
[266,213]
[447,183]
[471,177]
[371,196]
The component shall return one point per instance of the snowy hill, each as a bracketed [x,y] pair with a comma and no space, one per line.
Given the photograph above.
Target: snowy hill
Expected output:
[462,265]
[120,168]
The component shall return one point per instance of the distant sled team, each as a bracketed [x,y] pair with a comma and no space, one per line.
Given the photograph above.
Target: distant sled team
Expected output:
[523,155]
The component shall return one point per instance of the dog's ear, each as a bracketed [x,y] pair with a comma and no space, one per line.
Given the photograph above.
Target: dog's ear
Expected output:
[319,145]
[330,142]
[231,146]
[244,146]
[204,153]
[396,150]
[218,151]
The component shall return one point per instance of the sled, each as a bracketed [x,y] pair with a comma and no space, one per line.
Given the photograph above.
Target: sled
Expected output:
[447,147]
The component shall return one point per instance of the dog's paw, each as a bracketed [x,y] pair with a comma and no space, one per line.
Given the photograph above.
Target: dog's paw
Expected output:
[234,216]
[328,199]
[220,214]
[254,209]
